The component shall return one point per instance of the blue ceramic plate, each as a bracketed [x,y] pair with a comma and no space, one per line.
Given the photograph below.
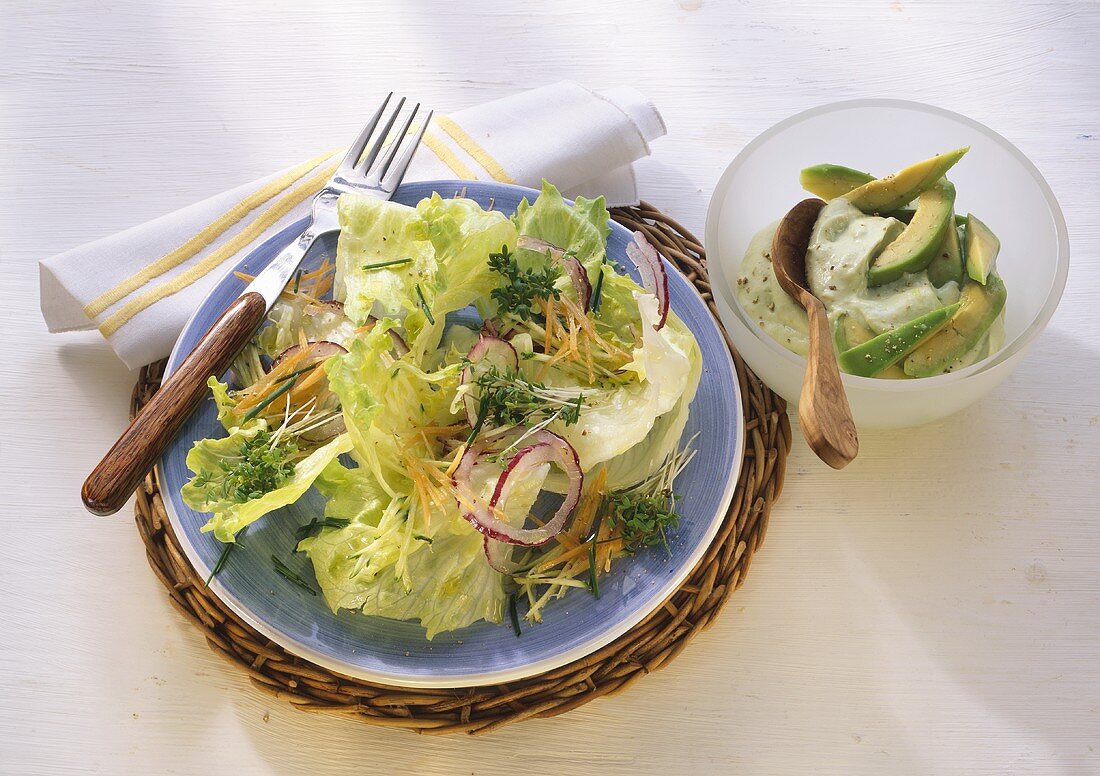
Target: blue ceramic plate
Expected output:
[395,652]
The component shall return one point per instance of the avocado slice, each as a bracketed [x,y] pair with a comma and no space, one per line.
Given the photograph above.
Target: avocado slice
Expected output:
[982,247]
[948,263]
[849,333]
[915,247]
[905,215]
[888,348]
[979,307]
[894,191]
[830,181]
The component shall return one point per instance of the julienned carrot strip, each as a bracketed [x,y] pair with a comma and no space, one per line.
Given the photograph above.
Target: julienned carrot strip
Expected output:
[588,359]
[567,555]
[256,392]
[549,311]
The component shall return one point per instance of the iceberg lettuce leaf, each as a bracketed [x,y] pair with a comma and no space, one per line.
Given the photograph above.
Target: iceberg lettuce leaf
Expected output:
[581,228]
[211,460]
[319,322]
[463,235]
[385,401]
[374,231]
[224,401]
[618,418]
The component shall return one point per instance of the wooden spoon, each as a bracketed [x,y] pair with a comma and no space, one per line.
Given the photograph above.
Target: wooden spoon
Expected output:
[823,408]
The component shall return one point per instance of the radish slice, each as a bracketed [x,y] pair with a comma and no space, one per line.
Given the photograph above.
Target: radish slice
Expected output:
[488,352]
[544,448]
[654,277]
[318,351]
[570,263]
[400,347]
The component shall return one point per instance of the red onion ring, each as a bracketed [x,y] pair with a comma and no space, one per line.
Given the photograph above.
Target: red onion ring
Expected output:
[487,352]
[572,265]
[654,277]
[546,447]
[499,556]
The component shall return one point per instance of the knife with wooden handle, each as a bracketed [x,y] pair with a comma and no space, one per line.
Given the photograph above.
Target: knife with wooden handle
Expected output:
[120,472]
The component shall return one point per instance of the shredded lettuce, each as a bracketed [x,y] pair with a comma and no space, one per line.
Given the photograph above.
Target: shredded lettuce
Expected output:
[383,565]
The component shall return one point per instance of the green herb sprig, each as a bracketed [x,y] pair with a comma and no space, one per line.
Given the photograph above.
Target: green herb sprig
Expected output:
[642,518]
[424,305]
[314,526]
[513,615]
[261,466]
[597,294]
[226,551]
[286,386]
[593,581]
[390,263]
[510,400]
[523,287]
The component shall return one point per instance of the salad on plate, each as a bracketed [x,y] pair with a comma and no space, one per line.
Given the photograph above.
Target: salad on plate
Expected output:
[491,408]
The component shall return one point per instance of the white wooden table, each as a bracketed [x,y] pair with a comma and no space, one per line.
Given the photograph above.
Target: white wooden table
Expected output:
[934,608]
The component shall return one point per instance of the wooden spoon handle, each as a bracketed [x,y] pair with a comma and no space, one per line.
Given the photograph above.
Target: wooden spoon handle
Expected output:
[823,408]
[133,455]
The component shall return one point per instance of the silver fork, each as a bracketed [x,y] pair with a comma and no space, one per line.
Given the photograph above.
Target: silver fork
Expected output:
[375,171]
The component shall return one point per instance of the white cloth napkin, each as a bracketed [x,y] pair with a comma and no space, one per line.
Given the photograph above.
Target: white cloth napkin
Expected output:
[140,286]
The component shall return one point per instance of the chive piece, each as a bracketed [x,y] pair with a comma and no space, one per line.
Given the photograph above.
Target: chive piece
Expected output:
[482,411]
[422,538]
[274,395]
[513,614]
[297,280]
[593,582]
[597,294]
[424,305]
[315,525]
[290,576]
[226,550]
[391,263]
[298,373]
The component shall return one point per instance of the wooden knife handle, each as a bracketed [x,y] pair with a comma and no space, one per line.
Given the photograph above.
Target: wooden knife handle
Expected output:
[117,476]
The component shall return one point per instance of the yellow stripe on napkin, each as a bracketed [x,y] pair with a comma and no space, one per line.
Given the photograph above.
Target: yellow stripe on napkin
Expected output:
[447,156]
[197,243]
[470,146]
[269,217]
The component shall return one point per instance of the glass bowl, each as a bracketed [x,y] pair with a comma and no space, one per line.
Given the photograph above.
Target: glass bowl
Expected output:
[994,180]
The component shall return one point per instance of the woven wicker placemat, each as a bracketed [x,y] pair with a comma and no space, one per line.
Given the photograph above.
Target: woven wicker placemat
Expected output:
[475,710]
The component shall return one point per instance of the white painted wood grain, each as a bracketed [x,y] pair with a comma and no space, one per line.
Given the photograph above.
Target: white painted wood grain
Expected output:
[934,608]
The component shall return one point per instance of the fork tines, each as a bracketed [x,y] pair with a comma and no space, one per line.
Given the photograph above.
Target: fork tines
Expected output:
[376,165]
